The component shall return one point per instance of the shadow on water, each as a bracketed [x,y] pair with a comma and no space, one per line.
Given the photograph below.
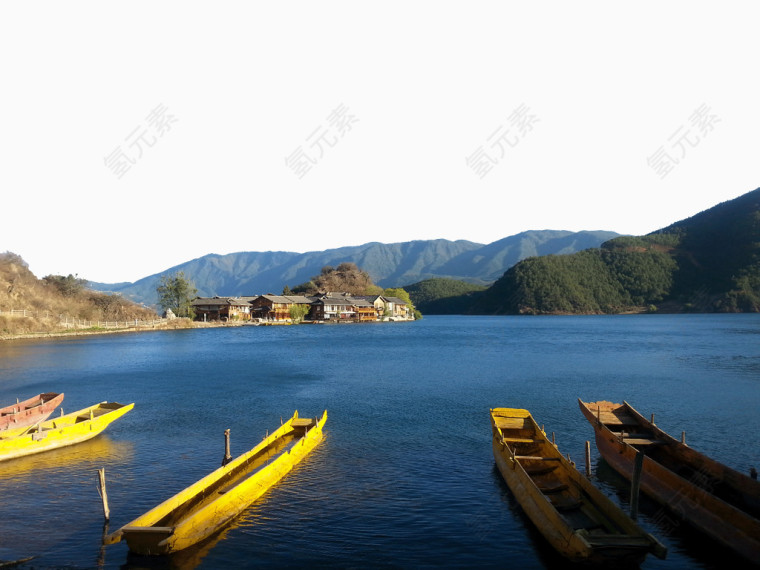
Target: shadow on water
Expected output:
[186,559]
[681,538]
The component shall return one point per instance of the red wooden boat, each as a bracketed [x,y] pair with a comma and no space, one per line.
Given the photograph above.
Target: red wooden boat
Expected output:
[19,416]
[717,500]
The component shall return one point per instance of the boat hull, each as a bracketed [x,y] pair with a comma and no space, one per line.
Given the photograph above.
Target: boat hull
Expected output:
[544,518]
[16,418]
[689,501]
[577,519]
[63,431]
[147,535]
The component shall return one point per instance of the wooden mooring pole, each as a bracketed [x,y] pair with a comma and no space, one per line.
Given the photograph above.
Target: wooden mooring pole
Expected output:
[227,454]
[588,459]
[636,483]
[103,495]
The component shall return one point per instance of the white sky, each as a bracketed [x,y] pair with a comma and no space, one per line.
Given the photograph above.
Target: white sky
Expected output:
[603,85]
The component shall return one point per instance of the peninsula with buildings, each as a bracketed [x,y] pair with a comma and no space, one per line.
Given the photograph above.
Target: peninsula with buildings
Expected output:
[320,308]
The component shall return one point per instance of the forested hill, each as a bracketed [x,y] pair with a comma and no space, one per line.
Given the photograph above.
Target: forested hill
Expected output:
[707,263]
[388,265]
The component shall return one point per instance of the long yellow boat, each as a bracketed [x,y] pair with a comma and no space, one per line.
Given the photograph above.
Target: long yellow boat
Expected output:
[63,431]
[208,505]
[577,519]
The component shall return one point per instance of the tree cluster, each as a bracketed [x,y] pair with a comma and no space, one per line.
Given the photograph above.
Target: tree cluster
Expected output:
[346,278]
[176,292]
[442,296]
[68,286]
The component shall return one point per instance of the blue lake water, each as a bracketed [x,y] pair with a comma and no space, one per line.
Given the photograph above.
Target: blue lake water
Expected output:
[405,477]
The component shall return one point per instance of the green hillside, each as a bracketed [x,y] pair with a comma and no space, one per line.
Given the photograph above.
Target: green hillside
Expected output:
[707,263]
[439,296]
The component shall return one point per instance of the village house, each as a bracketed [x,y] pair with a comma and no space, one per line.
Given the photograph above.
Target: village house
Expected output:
[341,307]
[327,307]
[221,308]
[364,308]
[365,311]
[397,307]
[272,307]
[378,302]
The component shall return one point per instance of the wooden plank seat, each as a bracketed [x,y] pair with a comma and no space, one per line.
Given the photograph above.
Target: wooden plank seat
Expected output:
[604,539]
[616,419]
[540,469]
[167,530]
[303,422]
[553,487]
[642,441]
[536,458]
[512,423]
[562,503]
[518,440]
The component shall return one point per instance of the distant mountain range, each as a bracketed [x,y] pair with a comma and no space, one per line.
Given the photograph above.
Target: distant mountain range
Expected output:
[389,265]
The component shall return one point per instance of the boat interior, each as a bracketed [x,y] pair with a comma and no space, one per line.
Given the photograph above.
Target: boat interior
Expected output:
[240,472]
[65,421]
[664,451]
[540,460]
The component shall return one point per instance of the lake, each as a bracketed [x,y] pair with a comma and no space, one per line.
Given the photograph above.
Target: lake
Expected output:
[405,476]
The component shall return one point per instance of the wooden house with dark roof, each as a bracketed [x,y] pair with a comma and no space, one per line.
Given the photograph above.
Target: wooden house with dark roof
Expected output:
[328,307]
[365,311]
[221,308]
[276,307]
[377,301]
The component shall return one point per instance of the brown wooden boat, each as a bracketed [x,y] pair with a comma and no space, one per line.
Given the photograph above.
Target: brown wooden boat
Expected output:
[712,497]
[14,419]
[577,519]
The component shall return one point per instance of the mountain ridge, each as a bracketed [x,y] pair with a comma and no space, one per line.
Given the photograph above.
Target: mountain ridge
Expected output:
[389,265]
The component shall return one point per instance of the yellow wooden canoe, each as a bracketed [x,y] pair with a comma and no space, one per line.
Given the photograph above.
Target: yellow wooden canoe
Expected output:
[209,504]
[577,519]
[63,431]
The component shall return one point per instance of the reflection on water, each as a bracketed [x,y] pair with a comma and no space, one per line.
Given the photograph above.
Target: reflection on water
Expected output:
[47,496]
[680,538]
[57,462]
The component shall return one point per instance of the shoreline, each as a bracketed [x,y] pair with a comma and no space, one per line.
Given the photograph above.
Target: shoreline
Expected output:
[91,332]
[164,327]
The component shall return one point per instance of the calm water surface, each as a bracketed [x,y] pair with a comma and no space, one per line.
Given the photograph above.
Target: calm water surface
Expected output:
[405,476]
